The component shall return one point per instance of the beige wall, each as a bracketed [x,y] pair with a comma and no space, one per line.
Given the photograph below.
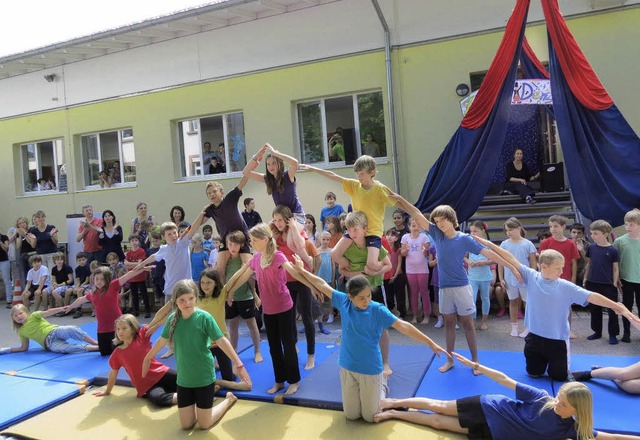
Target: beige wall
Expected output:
[427,114]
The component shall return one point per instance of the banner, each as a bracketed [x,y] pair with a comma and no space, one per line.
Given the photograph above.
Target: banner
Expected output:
[525,92]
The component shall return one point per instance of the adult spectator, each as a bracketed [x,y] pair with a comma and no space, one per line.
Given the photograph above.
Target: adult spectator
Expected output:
[136,223]
[44,238]
[519,178]
[110,236]
[177,215]
[88,233]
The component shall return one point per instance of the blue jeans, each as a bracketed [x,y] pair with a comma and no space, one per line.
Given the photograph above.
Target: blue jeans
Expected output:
[484,287]
[56,341]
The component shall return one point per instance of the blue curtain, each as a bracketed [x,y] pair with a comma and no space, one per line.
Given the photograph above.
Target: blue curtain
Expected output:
[601,153]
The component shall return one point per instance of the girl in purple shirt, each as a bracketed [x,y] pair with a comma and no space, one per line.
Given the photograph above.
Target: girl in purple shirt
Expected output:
[281,185]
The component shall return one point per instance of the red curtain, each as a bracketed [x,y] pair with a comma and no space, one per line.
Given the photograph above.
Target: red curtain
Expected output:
[485,100]
[528,51]
[581,78]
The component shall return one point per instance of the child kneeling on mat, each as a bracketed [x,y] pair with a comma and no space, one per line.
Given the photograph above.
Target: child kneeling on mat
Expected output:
[51,337]
[361,378]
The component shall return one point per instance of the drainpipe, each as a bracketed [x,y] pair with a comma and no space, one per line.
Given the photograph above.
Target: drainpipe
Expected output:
[392,122]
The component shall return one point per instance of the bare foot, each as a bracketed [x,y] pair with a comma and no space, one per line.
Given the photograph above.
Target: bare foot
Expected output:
[572,335]
[167,354]
[216,388]
[386,371]
[382,416]
[92,348]
[425,321]
[387,404]
[274,389]
[292,388]
[483,326]
[311,362]
[446,367]
[257,357]
[231,398]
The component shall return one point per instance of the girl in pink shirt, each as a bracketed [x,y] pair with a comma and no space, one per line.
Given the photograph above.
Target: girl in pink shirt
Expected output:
[270,267]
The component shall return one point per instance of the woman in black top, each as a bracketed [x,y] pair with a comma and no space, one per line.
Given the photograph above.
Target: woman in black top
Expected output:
[518,178]
[44,238]
[110,238]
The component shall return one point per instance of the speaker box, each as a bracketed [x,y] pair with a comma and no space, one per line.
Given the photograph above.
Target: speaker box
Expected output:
[552,176]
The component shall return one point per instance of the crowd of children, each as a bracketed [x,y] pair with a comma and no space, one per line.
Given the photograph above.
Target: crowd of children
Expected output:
[206,279]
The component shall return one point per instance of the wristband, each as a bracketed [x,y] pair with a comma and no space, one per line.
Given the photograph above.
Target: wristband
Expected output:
[5,350]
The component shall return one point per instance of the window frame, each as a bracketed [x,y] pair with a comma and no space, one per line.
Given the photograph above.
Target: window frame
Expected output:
[185,161]
[56,166]
[326,163]
[121,140]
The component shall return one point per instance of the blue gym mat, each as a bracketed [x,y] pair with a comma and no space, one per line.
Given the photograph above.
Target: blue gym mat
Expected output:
[262,374]
[460,381]
[614,410]
[321,388]
[123,379]
[79,368]
[23,398]
[14,362]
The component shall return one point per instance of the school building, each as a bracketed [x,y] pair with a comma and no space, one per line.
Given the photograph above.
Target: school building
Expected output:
[139,102]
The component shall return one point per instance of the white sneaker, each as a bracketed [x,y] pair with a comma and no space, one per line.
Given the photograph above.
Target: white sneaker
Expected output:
[439,323]
[524,333]
[457,326]
[514,331]
[330,318]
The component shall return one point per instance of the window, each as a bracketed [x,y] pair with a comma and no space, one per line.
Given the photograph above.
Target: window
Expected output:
[212,145]
[43,167]
[111,151]
[341,129]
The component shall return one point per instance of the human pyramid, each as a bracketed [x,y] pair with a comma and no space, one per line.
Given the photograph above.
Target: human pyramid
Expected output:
[292,275]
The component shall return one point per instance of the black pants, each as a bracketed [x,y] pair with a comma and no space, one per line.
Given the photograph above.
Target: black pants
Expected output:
[521,189]
[105,342]
[158,286]
[161,393]
[630,293]
[397,294]
[281,333]
[546,355]
[611,292]
[224,364]
[139,288]
[302,302]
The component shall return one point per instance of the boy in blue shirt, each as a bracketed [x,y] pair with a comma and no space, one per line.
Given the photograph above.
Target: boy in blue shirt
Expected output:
[549,299]
[454,289]
[331,209]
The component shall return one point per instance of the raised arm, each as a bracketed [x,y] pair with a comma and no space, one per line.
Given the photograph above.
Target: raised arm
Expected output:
[197,222]
[414,212]
[409,330]
[292,161]
[315,281]
[492,374]
[507,259]
[133,272]
[249,169]
[497,258]
[326,173]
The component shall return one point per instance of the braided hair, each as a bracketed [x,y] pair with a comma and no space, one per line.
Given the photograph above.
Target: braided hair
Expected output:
[182,287]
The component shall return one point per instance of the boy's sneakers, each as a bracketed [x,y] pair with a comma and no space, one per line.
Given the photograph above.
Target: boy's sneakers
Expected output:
[77,314]
[440,322]
[514,330]
[524,333]
[594,336]
[322,328]
[330,318]
[613,340]
[626,337]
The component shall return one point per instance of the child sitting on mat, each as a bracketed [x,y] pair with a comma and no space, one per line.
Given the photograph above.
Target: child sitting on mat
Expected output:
[132,343]
[533,414]
[51,337]
[363,320]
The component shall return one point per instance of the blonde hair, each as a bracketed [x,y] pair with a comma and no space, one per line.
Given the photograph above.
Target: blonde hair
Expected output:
[549,256]
[197,237]
[261,231]
[446,212]
[182,287]
[18,308]
[633,216]
[214,185]
[58,256]
[580,398]
[365,163]
[514,223]
[132,322]
[356,218]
